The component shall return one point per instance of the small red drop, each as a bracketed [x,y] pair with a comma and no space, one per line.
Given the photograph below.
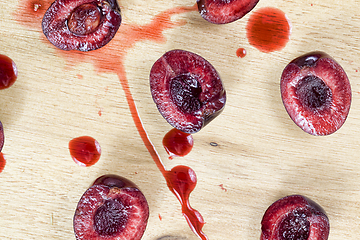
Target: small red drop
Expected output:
[8,72]
[241,52]
[85,151]
[2,162]
[177,143]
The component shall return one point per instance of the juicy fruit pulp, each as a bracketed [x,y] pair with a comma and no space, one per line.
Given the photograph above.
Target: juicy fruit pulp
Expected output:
[8,72]
[187,90]
[295,217]
[81,24]
[112,208]
[221,12]
[316,93]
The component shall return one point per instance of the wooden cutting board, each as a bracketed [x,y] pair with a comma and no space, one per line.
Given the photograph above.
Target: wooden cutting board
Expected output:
[260,154]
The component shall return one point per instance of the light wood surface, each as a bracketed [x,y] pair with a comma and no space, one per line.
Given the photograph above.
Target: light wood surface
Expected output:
[261,154]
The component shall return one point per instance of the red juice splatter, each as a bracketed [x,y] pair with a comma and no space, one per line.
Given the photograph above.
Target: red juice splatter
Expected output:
[181,180]
[2,162]
[268,29]
[177,143]
[85,151]
[222,187]
[110,59]
[8,72]
[241,52]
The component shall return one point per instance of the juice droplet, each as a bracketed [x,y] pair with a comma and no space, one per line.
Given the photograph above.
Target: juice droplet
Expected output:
[177,143]
[2,162]
[241,52]
[181,180]
[268,29]
[85,151]
[8,72]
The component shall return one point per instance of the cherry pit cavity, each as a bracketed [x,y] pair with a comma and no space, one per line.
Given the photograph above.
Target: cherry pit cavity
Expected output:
[189,94]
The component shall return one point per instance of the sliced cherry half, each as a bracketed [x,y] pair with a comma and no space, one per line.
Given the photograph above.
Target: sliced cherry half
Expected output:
[113,208]
[221,12]
[295,217]
[187,90]
[316,93]
[82,25]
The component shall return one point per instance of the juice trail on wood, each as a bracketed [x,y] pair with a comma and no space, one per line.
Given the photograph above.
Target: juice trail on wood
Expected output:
[115,51]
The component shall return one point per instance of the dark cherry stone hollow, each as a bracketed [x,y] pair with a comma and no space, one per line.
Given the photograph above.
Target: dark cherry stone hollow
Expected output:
[112,208]
[295,217]
[316,93]
[221,12]
[85,19]
[82,25]
[187,90]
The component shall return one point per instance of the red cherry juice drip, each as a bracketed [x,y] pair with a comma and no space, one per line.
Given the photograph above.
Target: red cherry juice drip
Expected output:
[177,143]
[115,52]
[85,151]
[241,52]
[268,29]
[2,162]
[181,180]
[8,72]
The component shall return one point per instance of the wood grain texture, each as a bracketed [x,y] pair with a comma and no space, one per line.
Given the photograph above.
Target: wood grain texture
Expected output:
[261,154]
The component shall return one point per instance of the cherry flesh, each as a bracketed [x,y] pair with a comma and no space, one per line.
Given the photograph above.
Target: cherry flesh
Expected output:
[187,90]
[113,208]
[82,25]
[316,93]
[295,217]
[221,12]
[8,72]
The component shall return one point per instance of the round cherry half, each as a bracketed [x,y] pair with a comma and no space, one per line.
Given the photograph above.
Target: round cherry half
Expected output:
[82,25]
[113,208]
[187,90]
[221,12]
[295,217]
[316,93]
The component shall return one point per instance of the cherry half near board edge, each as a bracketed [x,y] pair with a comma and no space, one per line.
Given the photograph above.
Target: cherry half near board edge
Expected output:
[181,180]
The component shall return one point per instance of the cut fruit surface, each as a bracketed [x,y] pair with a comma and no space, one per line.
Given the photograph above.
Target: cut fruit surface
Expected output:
[316,93]
[112,209]
[221,12]
[295,217]
[187,90]
[82,25]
